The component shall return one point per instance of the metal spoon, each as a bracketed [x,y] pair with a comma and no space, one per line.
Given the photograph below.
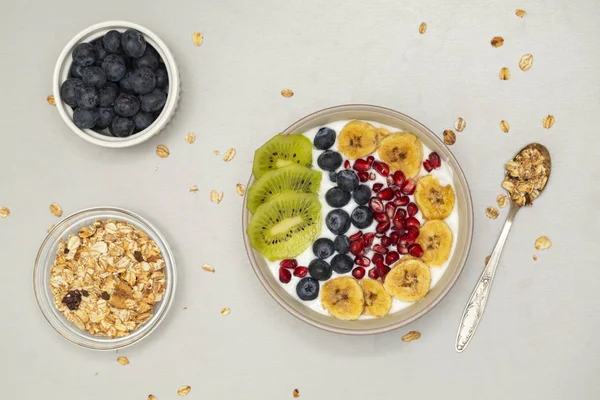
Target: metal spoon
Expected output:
[476,305]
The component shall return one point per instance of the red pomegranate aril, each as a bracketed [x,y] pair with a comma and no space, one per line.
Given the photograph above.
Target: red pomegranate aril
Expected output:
[376,205]
[379,264]
[379,235]
[415,250]
[412,234]
[383,227]
[427,165]
[435,160]
[398,193]
[380,249]
[368,238]
[362,261]
[398,220]
[394,237]
[300,272]
[377,187]
[373,273]
[377,258]
[380,217]
[291,264]
[381,270]
[412,209]
[392,257]
[399,178]
[390,181]
[386,194]
[285,275]
[372,176]
[347,164]
[382,168]
[401,201]
[361,165]
[358,272]
[363,176]
[402,249]
[412,221]
[370,160]
[357,247]
[386,241]
[390,210]
[409,186]
[355,236]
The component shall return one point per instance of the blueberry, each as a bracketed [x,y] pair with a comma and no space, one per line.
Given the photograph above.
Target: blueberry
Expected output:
[112,41]
[143,80]
[133,43]
[338,221]
[125,84]
[153,101]
[70,91]
[323,248]
[127,105]
[105,117]
[100,49]
[108,94]
[333,176]
[342,244]
[307,289]
[88,98]
[319,269]
[148,60]
[142,120]
[162,78]
[362,217]
[121,127]
[337,197]
[324,139]
[114,67]
[342,264]
[76,70]
[85,54]
[329,160]
[362,195]
[94,77]
[347,180]
[85,119]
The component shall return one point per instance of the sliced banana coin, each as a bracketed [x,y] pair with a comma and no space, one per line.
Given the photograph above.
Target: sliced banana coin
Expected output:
[343,298]
[435,238]
[434,200]
[377,301]
[402,151]
[358,139]
[409,280]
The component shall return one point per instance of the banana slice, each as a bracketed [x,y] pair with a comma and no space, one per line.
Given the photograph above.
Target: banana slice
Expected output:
[358,139]
[377,301]
[409,280]
[435,237]
[434,200]
[343,298]
[402,151]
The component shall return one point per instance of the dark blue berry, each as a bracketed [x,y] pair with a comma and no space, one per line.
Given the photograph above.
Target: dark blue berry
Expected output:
[319,269]
[307,289]
[112,41]
[153,101]
[323,248]
[127,105]
[362,217]
[70,91]
[347,180]
[148,60]
[143,80]
[142,120]
[85,119]
[121,127]
[114,67]
[94,77]
[76,70]
[133,43]
[342,264]
[108,94]
[125,84]
[85,54]
[337,197]
[338,221]
[88,98]
[342,244]
[324,139]
[162,77]
[105,117]
[333,176]
[329,160]
[362,195]
[99,46]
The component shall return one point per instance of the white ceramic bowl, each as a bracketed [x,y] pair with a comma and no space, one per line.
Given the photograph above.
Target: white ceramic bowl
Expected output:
[63,67]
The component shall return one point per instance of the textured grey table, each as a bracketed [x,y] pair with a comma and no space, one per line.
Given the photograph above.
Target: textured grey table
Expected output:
[538,339]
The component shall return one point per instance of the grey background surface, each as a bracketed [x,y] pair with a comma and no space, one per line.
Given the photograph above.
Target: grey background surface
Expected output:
[538,339]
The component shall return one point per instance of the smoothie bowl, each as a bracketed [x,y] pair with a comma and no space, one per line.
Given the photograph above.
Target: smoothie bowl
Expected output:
[357,219]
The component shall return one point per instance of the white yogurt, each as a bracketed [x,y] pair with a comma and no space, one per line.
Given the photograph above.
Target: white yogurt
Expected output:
[445,176]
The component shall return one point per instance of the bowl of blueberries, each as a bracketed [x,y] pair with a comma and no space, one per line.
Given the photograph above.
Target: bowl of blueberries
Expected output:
[116,84]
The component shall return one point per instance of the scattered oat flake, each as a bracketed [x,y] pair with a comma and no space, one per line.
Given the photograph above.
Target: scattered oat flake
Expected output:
[548,122]
[190,138]
[492,212]
[535,257]
[215,196]
[5,212]
[240,189]
[449,137]
[502,200]
[410,336]
[217,152]
[504,74]
[197,38]
[55,209]
[460,124]
[50,100]
[520,13]
[123,360]
[208,268]
[151,397]
[422,28]
[505,126]
[543,243]
[287,93]
[194,189]
[497,41]
[225,311]
[184,390]
[229,154]
[185,308]
[296,393]
[487,260]
[51,227]
[162,151]
[526,62]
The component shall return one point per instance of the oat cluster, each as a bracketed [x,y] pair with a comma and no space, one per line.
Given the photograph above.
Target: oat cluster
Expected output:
[526,176]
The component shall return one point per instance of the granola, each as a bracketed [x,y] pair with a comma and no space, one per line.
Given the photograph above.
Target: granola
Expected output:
[526,176]
[4,212]
[107,278]
[422,28]
[410,336]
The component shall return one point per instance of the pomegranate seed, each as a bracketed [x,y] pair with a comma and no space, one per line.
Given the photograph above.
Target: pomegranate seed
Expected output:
[381,271]
[386,241]
[370,160]
[409,186]
[379,235]
[291,264]
[382,168]
[392,257]
[369,237]
[361,165]
[363,176]
[415,250]
[398,193]
[377,187]
[402,249]
[382,227]
[362,261]
[386,194]
[372,176]
[398,219]
[427,165]
[380,217]
[285,275]
[347,164]
[412,234]
[358,272]
[377,258]
[401,201]
[403,240]
[380,249]
[373,273]
[301,272]
[394,237]
[412,221]
[390,180]
[355,236]
[379,264]
[399,178]
[412,209]
[386,269]
[390,210]
[357,247]
[376,205]
[435,160]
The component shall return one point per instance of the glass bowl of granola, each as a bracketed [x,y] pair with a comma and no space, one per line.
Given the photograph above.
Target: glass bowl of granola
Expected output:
[104,278]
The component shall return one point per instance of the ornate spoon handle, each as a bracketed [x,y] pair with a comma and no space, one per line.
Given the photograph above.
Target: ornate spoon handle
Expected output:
[476,305]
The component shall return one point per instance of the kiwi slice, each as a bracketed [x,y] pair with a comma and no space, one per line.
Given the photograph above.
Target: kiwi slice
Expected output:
[281,151]
[293,178]
[286,225]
